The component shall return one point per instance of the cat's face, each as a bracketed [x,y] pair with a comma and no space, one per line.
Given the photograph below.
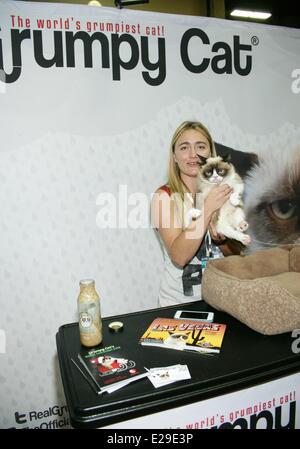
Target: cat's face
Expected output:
[177,339]
[272,200]
[214,170]
[107,361]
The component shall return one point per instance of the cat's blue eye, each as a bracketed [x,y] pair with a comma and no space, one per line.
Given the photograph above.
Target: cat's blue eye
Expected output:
[283,209]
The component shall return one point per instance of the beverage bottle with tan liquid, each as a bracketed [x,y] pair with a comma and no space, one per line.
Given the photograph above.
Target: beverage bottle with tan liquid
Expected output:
[90,324]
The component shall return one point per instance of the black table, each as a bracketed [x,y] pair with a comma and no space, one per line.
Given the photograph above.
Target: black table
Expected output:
[247,358]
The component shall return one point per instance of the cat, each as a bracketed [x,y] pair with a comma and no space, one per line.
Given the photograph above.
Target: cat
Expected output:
[176,339]
[230,218]
[272,199]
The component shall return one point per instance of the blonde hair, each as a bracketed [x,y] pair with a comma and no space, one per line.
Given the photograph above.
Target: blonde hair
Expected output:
[174,180]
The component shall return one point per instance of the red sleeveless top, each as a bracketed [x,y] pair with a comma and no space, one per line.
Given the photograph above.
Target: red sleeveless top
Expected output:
[166,189]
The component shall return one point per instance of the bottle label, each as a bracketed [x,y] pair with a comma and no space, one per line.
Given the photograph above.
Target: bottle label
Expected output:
[85,320]
[89,317]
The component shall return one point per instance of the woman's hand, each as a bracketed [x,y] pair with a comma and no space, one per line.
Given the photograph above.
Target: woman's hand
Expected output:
[217,197]
[217,237]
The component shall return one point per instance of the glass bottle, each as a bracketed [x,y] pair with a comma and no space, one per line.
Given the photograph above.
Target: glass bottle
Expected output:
[90,324]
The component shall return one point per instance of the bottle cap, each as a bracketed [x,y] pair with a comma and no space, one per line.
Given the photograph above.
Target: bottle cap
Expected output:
[86,282]
[115,326]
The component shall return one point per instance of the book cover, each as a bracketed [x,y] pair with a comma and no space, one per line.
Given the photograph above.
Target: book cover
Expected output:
[109,367]
[184,335]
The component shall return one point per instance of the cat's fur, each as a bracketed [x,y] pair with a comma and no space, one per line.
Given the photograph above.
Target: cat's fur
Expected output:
[272,199]
[230,218]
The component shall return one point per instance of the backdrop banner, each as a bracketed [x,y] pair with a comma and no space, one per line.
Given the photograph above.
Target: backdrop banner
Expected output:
[90,98]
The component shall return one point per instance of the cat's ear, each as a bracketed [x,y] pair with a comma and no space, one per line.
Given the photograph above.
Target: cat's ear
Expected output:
[226,157]
[202,160]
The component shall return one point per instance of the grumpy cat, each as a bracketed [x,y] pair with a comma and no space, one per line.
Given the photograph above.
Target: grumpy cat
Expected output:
[272,199]
[230,218]
[176,340]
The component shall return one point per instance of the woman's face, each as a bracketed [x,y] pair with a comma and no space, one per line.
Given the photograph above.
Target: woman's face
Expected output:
[190,144]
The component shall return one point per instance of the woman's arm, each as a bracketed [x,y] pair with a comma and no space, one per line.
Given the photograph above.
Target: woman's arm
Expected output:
[182,245]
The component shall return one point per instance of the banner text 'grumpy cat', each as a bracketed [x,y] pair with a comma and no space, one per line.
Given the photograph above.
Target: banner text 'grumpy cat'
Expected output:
[106,51]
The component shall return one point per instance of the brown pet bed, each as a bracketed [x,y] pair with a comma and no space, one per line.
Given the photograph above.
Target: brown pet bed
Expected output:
[262,289]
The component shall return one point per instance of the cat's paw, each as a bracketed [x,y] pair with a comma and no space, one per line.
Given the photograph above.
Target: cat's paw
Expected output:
[243,226]
[246,240]
[191,215]
[194,213]
[234,199]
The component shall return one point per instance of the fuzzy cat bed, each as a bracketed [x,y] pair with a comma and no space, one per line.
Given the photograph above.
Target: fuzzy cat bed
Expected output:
[262,289]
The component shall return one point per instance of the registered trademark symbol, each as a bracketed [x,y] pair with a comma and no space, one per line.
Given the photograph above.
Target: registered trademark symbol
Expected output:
[254,40]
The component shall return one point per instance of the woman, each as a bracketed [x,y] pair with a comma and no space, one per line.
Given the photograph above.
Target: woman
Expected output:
[186,245]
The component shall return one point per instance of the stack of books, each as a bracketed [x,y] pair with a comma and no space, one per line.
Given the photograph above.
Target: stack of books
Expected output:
[107,369]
